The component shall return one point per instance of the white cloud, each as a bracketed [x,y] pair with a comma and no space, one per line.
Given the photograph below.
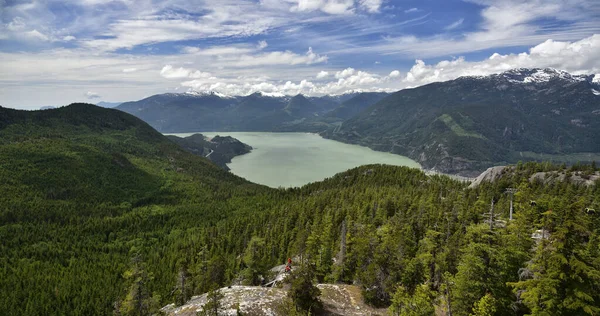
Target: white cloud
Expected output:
[353,80]
[322,74]
[224,19]
[92,95]
[454,25]
[69,38]
[371,5]
[394,74]
[327,6]
[17,24]
[262,44]
[128,70]
[345,73]
[278,58]
[221,50]
[181,73]
[411,10]
[36,35]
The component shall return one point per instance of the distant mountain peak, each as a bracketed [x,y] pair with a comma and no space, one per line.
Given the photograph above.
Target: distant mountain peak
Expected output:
[537,75]
[534,75]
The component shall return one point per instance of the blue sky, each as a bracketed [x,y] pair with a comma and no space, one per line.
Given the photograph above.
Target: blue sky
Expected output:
[55,52]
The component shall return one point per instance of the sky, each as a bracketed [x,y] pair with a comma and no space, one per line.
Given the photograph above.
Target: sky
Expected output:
[55,52]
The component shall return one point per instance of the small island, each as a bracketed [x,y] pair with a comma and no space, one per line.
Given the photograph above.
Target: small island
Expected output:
[220,149]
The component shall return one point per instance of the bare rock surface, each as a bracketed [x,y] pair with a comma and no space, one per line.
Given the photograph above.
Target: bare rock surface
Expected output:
[338,299]
[490,175]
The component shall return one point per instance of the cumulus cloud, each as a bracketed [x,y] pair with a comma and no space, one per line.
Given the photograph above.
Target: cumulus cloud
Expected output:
[347,80]
[345,73]
[322,74]
[170,72]
[69,38]
[394,74]
[92,95]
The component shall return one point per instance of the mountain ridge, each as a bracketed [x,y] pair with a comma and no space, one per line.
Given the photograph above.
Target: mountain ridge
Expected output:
[210,111]
[470,123]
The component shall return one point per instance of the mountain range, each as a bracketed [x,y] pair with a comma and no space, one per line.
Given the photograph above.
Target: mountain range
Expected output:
[460,126]
[210,111]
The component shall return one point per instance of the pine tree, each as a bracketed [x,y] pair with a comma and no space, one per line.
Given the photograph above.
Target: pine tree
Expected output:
[138,300]
[419,303]
[213,304]
[562,278]
[486,306]
[303,292]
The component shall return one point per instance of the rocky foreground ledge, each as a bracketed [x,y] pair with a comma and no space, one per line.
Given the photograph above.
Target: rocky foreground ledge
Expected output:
[338,299]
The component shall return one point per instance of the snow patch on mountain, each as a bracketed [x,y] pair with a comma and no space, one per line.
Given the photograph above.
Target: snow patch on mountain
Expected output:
[207,93]
[595,92]
[536,75]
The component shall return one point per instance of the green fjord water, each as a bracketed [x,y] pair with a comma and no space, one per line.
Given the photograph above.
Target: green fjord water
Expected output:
[295,159]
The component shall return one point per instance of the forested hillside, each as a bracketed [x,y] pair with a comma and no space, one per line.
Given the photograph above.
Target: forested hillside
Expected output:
[471,123]
[99,213]
[220,150]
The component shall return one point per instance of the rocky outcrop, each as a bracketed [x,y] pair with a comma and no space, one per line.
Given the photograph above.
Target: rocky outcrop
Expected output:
[490,175]
[547,177]
[338,299]
[577,177]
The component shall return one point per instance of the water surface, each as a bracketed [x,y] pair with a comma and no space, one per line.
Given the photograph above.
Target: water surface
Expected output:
[295,159]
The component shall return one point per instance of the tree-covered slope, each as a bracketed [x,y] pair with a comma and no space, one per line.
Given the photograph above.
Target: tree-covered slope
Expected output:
[219,149]
[355,105]
[82,190]
[468,124]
